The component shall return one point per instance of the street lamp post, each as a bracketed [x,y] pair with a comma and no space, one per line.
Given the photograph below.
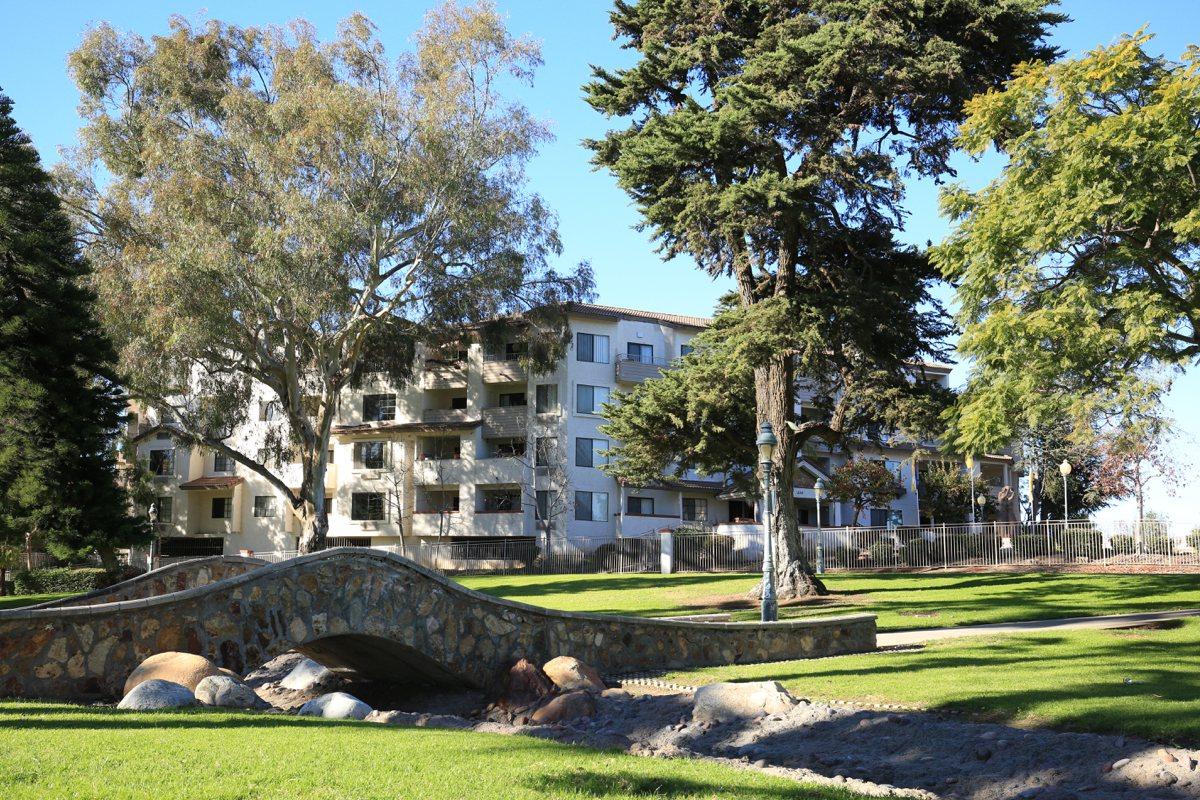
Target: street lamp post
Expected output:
[766,453]
[1065,469]
[981,501]
[819,487]
[971,478]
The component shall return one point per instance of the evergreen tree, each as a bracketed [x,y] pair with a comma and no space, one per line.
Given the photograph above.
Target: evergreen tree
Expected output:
[769,141]
[59,403]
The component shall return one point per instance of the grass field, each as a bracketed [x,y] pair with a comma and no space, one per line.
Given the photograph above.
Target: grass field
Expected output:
[57,750]
[901,601]
[17,601]
[1138,682]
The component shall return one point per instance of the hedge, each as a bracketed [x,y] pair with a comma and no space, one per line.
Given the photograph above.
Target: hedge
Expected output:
[61,580]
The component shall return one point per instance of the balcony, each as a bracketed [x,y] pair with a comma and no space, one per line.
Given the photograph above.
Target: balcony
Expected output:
[445,415]
[502,469]
[444,375]
[501,370]
[636,370]
[439,471]
[498,523]
[505,421]
[431,523]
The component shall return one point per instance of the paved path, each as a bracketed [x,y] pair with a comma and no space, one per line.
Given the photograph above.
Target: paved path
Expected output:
[901,638]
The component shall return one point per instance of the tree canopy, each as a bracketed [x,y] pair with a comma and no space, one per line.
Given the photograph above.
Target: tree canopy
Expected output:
[1077,267]
[294,216]
[60,405]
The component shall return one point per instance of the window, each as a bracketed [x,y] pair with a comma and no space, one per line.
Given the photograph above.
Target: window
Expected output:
[591,506]
[547,501]
[546,451]
[222,463]
[513,350]
[893,467]
[589,452]
[591,347]
[269,411]
[589,399]
[685,349]
[695,509]
[879,517]
[506,448]
[264,505]
[370,455]
[640,352]
[366,506]
[163,436]
[379,407]
[546,401]
[166,507]
[441,500]
[459,402]
[510,399]
[501,500]
[328,505]
[222,508]
[639,506]
[436,448]
[162,462]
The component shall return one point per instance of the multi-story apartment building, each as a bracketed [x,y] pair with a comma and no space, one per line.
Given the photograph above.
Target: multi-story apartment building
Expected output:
[478,449]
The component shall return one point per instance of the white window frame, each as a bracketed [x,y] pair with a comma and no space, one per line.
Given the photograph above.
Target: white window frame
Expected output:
[597,503]
[595,406]
[601,352]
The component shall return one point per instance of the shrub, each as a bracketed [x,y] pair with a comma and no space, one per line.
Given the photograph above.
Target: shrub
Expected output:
[1081,543]
[1193,540]
[1030,545]
[883,553]
[1123,544]
[917,553]
[1157,543]
[959,546]
[61,580]
[614,556]
[842,556]
[700,552]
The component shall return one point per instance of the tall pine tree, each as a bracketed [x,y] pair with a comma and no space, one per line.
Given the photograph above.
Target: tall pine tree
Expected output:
[60,406]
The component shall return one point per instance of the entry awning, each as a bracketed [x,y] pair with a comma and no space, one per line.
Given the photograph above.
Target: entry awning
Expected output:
[212,482]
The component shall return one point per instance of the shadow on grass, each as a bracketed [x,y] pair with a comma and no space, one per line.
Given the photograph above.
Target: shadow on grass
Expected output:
[589,783]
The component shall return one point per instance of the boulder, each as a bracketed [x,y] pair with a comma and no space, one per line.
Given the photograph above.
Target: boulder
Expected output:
[335,705]
[727,701]
[570,674]
[225,692]
[306,676]
[564,707]
[185,669]
[155,694]
[524,685]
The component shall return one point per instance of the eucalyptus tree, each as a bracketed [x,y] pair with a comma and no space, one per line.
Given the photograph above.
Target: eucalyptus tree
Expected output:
[285,217]
[769,141]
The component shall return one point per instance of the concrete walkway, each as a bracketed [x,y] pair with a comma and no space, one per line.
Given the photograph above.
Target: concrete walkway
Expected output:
[902,638]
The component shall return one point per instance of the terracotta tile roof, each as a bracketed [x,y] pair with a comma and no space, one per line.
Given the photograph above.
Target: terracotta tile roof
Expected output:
[617,312]
[212,482]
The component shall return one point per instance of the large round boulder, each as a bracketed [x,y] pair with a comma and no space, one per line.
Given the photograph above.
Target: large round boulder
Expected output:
[570,674]
[336,705]
[730,701]
[156,694]
[185,669]
[306,676]
[564,707]
[223,691]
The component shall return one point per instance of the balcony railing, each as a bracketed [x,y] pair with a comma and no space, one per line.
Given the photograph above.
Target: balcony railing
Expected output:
[442,375]
[445,415]
[498,369]
[632,369]
[504,421]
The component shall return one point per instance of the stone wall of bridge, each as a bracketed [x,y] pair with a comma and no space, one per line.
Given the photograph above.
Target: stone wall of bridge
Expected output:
[378,615]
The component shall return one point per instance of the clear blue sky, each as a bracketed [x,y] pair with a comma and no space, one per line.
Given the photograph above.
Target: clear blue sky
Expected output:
[596,220]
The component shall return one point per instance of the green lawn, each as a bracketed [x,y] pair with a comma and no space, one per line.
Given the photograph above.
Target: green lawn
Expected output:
[901,601]
[58,750]
[19,600]
[1138,682]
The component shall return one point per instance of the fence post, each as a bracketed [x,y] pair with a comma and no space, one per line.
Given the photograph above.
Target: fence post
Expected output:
[1050,547]
[945,558]
[666,540]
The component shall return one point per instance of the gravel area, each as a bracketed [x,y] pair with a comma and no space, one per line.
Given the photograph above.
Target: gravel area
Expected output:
[924,754]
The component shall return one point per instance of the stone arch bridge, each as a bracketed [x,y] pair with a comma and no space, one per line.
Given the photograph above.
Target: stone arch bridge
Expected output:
[360,611]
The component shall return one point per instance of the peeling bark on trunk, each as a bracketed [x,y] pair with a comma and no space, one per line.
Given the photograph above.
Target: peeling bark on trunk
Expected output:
[316,515]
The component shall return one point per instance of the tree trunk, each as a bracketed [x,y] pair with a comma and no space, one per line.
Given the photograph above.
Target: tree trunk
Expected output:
[108,558]
[775,396]
[316,516]
[3,581]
